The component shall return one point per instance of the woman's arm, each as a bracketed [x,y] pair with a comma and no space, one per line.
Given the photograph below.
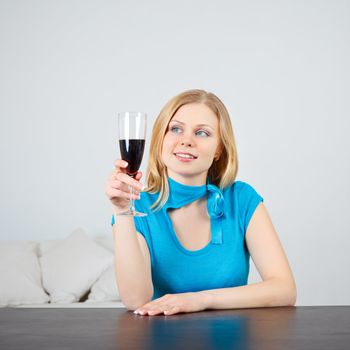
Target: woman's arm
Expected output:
[132,264]
[132,258]
[276,289]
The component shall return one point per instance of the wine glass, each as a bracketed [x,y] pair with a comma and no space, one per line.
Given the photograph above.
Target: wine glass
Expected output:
[132,134]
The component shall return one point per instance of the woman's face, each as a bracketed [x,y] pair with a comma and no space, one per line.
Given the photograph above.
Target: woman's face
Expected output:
[191,143]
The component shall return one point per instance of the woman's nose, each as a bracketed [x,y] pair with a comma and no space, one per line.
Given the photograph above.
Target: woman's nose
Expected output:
[186,140]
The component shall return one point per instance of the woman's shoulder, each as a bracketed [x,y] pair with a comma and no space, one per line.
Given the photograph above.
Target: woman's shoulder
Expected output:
[240,189]
[238,186]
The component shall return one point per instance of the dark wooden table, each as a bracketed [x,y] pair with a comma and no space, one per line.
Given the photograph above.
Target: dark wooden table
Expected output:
[302,328]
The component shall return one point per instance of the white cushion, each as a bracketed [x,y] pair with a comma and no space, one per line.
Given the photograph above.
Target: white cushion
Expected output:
[105,288]
[20,281]
[72,266]
[45,245]
[107,243]
[87,305]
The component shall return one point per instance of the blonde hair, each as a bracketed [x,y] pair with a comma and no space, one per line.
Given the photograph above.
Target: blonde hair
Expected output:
[222,172]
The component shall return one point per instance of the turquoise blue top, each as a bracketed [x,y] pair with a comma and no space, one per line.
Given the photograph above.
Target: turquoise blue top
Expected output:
[223,262]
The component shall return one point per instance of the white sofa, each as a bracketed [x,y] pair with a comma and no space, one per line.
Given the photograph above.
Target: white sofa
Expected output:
[77,271]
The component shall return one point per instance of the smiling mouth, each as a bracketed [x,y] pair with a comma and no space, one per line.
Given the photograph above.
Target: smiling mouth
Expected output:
[185,155]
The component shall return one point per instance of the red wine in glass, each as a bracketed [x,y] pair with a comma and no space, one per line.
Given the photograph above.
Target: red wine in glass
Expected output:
[132,134]
[132,151]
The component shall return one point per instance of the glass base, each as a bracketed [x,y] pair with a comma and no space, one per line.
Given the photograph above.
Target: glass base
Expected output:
[131,213]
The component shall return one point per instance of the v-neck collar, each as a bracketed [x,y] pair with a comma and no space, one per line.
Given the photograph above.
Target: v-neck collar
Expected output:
[181,195]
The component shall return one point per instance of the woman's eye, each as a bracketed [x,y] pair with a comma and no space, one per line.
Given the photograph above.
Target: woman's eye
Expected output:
[175,130]
[202,133]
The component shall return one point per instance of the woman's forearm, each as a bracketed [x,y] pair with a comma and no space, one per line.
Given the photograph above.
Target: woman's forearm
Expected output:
[273,292]
[133,274]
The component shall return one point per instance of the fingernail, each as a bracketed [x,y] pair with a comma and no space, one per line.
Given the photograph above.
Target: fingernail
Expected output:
[136,311]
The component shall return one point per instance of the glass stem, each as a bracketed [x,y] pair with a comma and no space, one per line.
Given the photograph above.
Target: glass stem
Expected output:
[131,202]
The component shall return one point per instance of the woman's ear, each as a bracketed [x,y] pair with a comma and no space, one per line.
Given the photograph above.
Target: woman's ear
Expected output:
[218,151]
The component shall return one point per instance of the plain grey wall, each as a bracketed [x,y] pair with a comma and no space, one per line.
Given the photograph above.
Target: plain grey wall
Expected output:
[281,68]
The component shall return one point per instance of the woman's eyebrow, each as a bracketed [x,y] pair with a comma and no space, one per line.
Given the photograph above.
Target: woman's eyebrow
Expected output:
[178,121]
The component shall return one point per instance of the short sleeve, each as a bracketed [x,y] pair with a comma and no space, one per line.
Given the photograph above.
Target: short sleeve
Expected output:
[141,226]
[248,200]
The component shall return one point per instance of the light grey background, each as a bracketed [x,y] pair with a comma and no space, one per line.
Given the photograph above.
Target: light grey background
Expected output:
[281,68]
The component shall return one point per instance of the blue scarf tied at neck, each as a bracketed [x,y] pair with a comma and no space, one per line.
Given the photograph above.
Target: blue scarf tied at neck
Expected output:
[181,195]
[216,203]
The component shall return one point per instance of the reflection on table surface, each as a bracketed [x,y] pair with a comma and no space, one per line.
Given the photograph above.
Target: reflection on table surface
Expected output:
[307,327]
[204,330]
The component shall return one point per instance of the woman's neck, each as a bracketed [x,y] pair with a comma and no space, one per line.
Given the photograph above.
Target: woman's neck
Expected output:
[196,180]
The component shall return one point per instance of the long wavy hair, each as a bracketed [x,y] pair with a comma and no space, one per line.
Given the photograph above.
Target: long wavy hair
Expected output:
[224,169]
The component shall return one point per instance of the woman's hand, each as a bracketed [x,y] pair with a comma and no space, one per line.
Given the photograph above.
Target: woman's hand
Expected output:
[171,304]
[117,186]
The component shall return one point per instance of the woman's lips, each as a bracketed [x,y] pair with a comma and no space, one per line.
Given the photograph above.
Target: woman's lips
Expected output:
[185,157]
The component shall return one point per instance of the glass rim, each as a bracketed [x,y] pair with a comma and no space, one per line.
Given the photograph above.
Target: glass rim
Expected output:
[131,113]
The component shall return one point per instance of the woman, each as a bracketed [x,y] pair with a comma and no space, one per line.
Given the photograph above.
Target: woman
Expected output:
[192,251]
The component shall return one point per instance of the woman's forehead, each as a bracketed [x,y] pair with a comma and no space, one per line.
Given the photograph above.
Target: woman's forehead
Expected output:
[195,114]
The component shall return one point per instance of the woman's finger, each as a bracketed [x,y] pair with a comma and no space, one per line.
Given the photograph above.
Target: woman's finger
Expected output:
[171,311]
[155,311]
[114,193]
[138,176]
[129,180]
[112,176]
[120,163]
[118,185]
